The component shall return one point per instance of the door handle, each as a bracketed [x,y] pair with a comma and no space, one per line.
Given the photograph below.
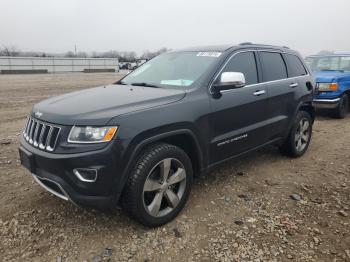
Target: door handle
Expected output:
[259,92]
[293,85]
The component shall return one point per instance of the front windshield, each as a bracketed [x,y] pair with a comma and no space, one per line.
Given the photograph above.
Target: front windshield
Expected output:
[324,63]
[179,69]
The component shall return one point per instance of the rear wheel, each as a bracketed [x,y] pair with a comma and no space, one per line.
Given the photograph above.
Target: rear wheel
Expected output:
[159,185]
[299,137]
[343,107]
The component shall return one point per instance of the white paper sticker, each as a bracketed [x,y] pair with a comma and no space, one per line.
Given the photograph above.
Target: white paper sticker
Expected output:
[178,82]
[209,54]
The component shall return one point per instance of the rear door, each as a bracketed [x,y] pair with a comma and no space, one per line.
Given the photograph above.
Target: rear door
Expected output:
[282,92]
[237,122]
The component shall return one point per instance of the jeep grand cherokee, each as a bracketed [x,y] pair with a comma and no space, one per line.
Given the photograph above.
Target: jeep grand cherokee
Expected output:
[139,142]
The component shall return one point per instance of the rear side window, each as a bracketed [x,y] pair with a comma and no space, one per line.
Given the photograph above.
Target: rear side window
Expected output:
[244,63]
[295,66]
[273,66]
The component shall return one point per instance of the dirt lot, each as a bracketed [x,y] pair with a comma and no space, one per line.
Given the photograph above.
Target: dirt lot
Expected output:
[241,212]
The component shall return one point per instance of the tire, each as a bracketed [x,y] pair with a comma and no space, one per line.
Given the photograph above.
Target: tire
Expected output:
[299,136]
[159,185]
[343,107]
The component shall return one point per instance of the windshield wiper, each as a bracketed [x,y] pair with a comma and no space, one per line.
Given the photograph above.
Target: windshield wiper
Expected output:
[120,83]
[144,84]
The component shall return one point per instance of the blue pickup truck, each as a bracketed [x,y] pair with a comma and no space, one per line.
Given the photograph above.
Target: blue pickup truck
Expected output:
[332,74]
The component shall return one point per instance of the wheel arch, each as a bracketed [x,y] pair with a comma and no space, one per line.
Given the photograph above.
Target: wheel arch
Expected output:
[183,138]
[347,92]
[308,107]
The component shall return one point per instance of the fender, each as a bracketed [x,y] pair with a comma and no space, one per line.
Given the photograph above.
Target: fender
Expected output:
[303,104]
[140,146]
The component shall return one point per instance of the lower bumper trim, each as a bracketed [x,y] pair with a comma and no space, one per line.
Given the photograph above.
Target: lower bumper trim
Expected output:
[62,195]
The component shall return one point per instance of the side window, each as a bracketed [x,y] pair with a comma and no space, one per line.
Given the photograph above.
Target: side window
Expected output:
[273,66]
[244,63]
[295,66]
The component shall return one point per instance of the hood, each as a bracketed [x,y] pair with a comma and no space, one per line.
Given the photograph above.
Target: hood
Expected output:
[96,106]
[330,76]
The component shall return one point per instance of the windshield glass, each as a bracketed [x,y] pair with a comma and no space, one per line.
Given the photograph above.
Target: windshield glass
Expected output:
[323,63]
[179,69]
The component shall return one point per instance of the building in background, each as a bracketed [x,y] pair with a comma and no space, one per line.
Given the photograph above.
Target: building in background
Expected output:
[18,65]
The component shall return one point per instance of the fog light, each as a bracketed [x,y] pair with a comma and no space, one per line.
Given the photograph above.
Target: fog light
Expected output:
[86,174]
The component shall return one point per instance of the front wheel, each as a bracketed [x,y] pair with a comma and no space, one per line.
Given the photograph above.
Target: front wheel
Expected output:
[343,107]
[159,185]
[299,137]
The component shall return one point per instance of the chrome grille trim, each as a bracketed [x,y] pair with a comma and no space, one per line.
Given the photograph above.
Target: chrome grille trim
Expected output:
[41,135]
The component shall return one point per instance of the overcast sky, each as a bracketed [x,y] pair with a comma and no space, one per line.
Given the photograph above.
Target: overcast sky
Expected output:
[137,25]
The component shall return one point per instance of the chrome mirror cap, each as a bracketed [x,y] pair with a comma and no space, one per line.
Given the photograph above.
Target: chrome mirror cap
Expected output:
[235,79]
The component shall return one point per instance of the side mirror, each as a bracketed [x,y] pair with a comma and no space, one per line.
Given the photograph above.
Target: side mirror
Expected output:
[230,80]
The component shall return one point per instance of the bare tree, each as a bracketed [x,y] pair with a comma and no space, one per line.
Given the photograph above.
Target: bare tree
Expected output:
[82,54]
[9,51]
[148,55]
[69,54]
[111,54]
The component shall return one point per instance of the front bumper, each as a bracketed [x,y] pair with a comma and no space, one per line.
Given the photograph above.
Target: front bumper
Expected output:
[54,172]
[326,103]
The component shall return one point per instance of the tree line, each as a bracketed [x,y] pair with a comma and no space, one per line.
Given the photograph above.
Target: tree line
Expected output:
[123,56]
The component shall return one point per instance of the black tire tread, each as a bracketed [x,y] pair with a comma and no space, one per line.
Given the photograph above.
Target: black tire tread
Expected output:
[338,113]
[129,202]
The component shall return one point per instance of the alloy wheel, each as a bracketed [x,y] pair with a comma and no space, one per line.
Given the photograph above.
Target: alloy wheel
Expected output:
[302,134]
[164,187]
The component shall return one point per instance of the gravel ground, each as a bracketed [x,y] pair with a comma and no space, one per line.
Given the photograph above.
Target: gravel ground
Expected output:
[261,207]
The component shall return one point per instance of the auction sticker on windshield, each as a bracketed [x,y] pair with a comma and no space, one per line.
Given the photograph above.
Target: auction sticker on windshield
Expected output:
[209,54]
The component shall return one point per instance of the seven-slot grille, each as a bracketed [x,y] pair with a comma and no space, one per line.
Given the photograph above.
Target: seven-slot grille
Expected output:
[40,134]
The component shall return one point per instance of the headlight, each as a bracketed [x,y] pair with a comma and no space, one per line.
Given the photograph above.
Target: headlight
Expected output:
[89,134]
[327,86]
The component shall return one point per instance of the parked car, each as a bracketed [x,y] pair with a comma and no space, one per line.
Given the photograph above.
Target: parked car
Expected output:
[124,66]
[332,74]
[139,142]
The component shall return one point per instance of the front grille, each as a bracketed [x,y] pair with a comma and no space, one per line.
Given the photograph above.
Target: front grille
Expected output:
[41,135]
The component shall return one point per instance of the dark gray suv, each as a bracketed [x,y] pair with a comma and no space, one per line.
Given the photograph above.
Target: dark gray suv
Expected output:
[139,142]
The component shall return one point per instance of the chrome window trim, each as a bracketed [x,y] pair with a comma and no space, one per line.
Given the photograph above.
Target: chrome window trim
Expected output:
[257,84]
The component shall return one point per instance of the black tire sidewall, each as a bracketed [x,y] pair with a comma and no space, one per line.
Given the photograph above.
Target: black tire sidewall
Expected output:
[342,111]
[142,169]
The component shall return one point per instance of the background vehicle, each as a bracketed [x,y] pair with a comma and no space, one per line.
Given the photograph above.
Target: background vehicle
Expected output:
[332,74]
[143,139]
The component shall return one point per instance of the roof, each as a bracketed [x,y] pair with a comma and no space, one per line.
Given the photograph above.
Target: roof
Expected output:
[335,54]
[211,48]
[223,48]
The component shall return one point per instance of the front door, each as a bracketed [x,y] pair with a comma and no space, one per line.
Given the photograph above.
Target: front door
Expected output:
[238,119]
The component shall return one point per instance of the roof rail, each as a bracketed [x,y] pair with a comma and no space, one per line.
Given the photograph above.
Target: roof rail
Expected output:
[285,47]
[246,43]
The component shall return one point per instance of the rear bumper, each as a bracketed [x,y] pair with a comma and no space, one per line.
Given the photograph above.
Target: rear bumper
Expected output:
[326,103]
